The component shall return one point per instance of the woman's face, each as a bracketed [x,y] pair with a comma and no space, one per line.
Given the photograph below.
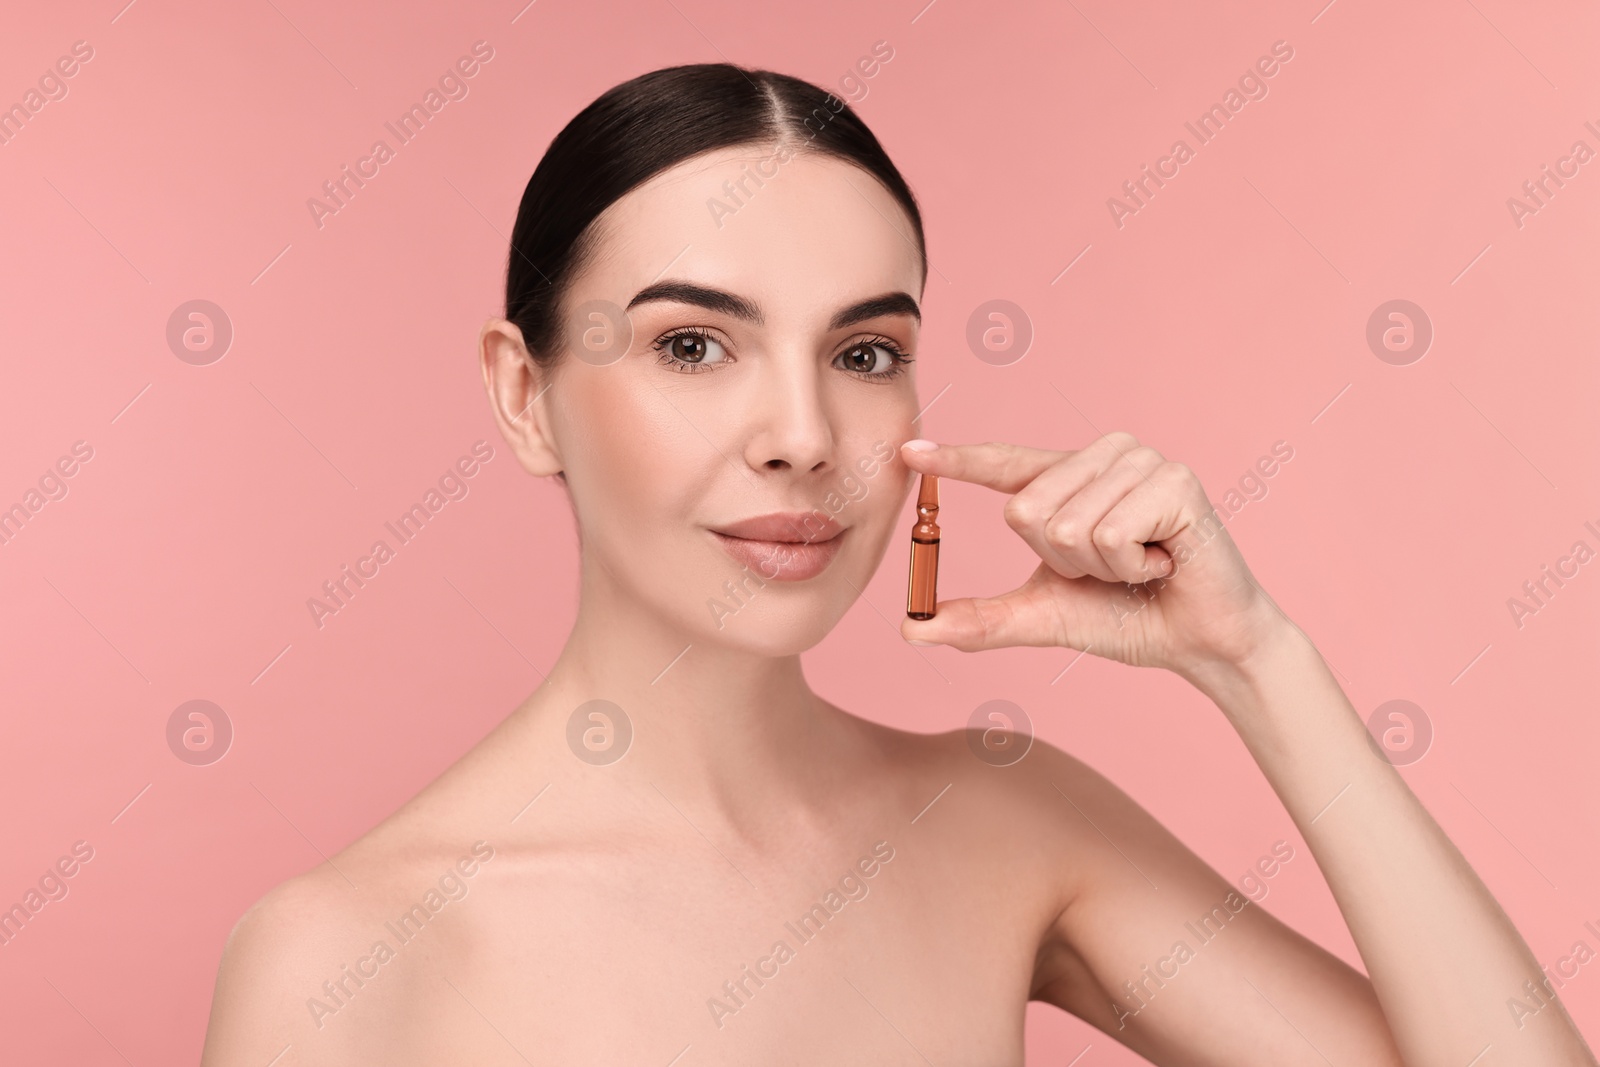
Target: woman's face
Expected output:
[735,464]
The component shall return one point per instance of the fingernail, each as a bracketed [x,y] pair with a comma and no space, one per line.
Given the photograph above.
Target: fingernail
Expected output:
[927,644]
[919,445]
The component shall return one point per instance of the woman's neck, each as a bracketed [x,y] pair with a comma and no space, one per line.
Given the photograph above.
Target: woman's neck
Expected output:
[732,732]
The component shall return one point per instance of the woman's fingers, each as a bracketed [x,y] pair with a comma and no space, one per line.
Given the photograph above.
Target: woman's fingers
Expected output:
[1091,512]
[1036,503]
[1025,616]
[1112,515]
[1002,467]
[1153,510]
[1041,480]
[1059,513]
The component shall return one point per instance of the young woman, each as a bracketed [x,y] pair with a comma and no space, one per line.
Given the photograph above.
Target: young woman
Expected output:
[673,852]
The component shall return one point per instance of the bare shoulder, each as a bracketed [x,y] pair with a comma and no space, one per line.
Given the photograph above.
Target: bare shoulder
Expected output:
[1094,838]
[1013,804]
[1035,783]
[277,955]
[302,965]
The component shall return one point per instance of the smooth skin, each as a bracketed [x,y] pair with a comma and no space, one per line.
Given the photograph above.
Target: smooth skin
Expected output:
[633,911]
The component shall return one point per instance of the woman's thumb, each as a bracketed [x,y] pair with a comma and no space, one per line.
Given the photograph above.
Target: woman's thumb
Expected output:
[973,624]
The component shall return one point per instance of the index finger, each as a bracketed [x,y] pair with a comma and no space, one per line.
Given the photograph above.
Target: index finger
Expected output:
[1003,467]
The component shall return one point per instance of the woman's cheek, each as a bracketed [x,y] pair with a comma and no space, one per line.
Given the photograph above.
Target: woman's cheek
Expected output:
[645,458]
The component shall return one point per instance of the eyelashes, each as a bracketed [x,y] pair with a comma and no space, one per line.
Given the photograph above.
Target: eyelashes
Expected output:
[699,343]
[897,358]
[667,345]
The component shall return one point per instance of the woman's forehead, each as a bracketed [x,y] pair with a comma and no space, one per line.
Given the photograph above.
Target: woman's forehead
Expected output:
[811,231]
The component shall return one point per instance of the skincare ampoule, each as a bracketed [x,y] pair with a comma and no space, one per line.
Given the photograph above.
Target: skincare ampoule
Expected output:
[920,592]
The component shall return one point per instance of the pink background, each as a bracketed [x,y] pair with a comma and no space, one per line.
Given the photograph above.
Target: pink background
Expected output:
[1223,317]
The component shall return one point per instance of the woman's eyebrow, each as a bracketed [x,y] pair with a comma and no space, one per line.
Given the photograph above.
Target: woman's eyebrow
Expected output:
[887,304]
[700,296]
[897,303]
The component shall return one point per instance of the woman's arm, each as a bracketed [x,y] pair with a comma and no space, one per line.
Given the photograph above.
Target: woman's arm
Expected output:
[1136,567]
[1444,959]
[1157,949]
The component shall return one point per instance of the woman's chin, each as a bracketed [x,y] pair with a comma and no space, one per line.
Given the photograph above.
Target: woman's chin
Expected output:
[772,630]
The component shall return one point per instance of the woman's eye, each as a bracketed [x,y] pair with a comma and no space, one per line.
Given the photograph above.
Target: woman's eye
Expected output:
[869,358]
[691,351]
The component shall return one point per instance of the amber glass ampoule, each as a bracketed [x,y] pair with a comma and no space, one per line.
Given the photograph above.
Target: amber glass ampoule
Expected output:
[920,588]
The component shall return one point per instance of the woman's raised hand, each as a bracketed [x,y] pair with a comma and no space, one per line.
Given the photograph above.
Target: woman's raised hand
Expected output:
[1135,564]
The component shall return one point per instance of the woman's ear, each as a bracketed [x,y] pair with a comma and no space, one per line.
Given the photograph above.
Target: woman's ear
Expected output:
[516,387]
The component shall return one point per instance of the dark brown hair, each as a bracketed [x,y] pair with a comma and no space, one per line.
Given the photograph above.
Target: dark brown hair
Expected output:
[643,126]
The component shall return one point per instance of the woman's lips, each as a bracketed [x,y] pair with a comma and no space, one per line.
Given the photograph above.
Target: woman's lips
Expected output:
[783,561]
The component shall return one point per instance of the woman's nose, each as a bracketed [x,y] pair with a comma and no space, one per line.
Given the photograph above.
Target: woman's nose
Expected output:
[792,428]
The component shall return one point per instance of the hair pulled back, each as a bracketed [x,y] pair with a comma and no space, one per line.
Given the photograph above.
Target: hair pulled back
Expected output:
[644,126]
